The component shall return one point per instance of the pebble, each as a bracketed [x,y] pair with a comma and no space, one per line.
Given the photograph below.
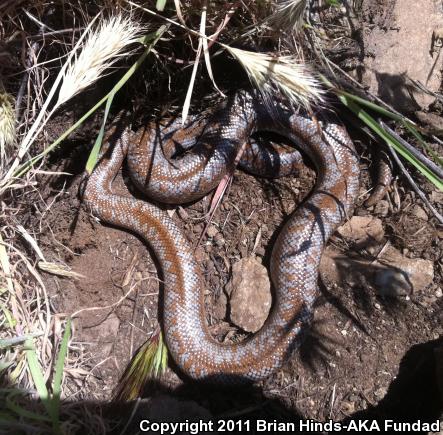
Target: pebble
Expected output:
[419,213]
[212,231]
[437,197]
[382,208]
[348,407]
[380,392]
[391,282]
[219,240]
[250,294]
[406,274]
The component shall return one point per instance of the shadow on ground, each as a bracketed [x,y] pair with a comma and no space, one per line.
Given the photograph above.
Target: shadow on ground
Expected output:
[413,395]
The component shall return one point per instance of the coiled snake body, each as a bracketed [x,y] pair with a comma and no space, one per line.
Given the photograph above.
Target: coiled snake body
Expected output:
[297,250]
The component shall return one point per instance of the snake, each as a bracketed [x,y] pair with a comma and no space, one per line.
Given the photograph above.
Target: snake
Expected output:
[208,150]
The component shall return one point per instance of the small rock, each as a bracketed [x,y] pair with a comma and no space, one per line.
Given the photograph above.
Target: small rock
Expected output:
[362,229]
[250,294]
[348,408]
[380,392]
[437,197]
[438,293]
[434,122]
[429,300]
[219,240]
[390,282]
[382,208]
[419,213]
[413,275]
[199,254]
[212,231]
[334,265]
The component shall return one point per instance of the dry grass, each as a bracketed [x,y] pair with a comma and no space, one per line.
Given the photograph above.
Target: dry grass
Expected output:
[87,51]
[281,74]
[85,56]
[7,126]
[100,50]
[30,333]
[243,28]
[288,15]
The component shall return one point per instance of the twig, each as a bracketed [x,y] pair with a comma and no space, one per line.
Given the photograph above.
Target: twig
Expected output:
[107,307]
[414,185]
[417,154]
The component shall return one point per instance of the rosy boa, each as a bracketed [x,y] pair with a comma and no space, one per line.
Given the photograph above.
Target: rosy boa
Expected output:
[297,251]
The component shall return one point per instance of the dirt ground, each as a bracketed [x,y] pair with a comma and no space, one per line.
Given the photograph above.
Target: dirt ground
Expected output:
[366,355]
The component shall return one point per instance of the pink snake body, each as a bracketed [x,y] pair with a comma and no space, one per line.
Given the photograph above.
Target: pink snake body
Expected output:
[297,251]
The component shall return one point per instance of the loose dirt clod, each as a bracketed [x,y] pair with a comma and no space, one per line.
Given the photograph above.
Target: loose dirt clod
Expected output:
[250,294]
[419,213]
[382,208]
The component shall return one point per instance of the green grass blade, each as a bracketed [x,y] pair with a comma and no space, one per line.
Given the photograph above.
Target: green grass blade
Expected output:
[394,116]
[8,315]
[37,375]
[18,410]
[164,361]
[58,377]
[160,5]
[93,156]
[15,341]
[423,143]
[370,105]
[390,140]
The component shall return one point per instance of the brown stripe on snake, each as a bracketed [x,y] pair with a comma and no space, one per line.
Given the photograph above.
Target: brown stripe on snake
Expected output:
[297,251]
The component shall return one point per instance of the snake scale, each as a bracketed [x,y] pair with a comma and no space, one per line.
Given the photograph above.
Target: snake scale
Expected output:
[298,248]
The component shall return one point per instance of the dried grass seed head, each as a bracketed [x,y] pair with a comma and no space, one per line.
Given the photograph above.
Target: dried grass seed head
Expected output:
[290,76]
[101,49]
[288,14]
[7,123]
